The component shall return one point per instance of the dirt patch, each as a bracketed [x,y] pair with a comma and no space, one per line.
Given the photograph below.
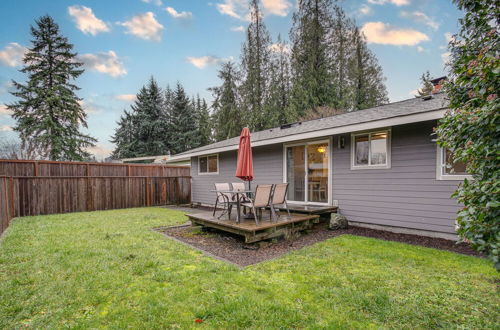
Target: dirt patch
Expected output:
[232,248]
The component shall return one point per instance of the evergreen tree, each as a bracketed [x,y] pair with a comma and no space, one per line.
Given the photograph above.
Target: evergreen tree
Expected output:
[142,131]
[228,120]
[255,60]
[204,122]
[427,86]
[183,132]
[48,112]
[341,50]
[148,121]
[277,103]
[367,88]
[311,77]
[124,137]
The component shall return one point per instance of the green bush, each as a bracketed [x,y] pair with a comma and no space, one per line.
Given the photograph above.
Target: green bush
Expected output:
[471,129]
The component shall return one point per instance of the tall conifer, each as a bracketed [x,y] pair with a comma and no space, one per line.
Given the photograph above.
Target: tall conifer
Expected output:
[49,114]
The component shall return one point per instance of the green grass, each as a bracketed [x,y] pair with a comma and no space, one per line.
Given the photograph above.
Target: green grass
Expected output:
[109,269]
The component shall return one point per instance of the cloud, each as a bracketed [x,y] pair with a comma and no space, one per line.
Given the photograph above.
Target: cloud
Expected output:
[277,47]
[240,28]
[420,17]
[88,107]
[234,8]
[276,7]
[126,97]
[100,151]
[445,57]
[154,2]
[385,34]
[394,2]
[420,49]
[239,9]
[6,128]
[365,10]
[86,21]
[180,15]
[144,26]
[204,61]
[448,36]
[12,54]
[104,62]
[4,111]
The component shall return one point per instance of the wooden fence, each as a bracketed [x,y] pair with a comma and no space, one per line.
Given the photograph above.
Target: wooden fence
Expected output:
[45,168]
[25,196]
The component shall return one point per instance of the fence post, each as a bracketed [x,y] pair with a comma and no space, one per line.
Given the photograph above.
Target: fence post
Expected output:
[35,168]
[11,181]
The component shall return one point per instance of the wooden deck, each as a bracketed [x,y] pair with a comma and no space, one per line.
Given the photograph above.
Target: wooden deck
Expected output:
[285,226]
[310,209]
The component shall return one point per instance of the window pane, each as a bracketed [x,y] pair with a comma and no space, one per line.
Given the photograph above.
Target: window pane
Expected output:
[317,169]
[203,164]
[378,148]
[295,165]
[212,164]
[361,150]
[453,168]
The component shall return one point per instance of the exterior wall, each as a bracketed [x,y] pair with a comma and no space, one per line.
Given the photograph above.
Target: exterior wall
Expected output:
[267,164]
[406,195]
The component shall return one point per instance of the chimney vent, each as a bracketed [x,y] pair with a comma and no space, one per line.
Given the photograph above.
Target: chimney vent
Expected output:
[438,84]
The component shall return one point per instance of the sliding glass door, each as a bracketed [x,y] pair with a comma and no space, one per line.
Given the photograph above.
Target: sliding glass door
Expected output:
[307,172]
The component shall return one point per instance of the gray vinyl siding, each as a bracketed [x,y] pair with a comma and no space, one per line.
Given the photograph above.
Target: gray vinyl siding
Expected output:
[406,195]
[267,164]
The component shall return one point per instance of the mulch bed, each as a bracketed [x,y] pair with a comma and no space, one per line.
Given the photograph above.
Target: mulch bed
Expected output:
[232,248]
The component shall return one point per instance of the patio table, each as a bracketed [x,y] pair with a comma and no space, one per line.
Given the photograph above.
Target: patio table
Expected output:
[236,193]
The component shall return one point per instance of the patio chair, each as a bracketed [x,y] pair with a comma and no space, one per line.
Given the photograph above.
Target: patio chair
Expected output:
[279,198]
[240,186]
[260,201]
[226,199]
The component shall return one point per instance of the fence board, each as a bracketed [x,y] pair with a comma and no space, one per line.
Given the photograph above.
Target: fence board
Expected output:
[10,167]
[25,196]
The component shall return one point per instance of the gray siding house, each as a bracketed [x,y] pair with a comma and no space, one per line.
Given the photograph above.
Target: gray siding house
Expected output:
[381,166]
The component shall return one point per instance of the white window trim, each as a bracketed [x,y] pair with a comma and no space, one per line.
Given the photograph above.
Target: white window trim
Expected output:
[440,175]
[330,179]
[208,173]
[387,164]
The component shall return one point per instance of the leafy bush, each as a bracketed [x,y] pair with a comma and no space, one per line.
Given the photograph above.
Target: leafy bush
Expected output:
[471,129]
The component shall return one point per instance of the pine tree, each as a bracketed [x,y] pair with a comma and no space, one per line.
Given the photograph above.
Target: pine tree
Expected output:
[148,121]
[48,112]
[255,60]
[228,120]
[204,122]
[277,103]
[124,137]
[142,131]
[366,79]
[341,50]
[311,77]
[427,86]
[183,132]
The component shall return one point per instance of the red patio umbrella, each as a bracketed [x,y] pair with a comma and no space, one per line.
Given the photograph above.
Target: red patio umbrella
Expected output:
[244,167]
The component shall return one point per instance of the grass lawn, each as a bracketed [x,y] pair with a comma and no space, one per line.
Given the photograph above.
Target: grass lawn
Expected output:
[108,269]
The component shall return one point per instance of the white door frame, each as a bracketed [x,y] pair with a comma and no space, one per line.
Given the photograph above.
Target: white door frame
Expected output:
[306,177]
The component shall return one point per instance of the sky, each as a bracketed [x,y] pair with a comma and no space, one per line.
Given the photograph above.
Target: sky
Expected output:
[123,43]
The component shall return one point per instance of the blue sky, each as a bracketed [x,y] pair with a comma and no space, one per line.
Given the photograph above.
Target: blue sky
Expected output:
[123,43]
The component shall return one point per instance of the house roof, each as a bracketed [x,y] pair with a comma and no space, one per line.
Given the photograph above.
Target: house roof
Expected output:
[396,113]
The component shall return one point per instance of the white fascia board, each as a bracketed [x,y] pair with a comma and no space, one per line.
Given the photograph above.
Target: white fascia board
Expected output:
[394,121]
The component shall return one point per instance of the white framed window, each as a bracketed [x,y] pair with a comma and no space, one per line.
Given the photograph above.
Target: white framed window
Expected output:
[208,164]
[371,150]
[447,169]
